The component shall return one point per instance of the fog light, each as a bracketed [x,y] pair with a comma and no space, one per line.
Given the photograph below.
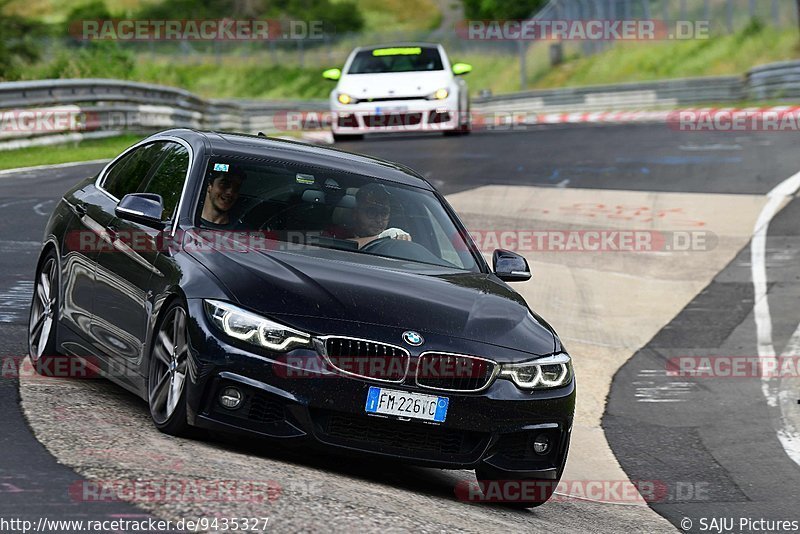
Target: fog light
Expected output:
[230,398]
[541,445]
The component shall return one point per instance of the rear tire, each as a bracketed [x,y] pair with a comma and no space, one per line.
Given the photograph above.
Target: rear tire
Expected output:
[168,372]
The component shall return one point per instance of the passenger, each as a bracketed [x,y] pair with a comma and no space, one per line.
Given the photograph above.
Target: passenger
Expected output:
[221,196]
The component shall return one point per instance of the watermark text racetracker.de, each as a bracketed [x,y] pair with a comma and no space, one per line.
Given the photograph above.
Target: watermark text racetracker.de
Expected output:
[582,30]
[198,29]
[778,119]
[611,491]
[752,366]
[172,490]
[600,240]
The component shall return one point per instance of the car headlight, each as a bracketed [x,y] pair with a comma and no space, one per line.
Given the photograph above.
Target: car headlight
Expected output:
[245,326]
[345,99]
[439,94]
[548,372]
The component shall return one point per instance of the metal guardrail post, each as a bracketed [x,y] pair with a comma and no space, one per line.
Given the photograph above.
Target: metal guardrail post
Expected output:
[729,14]
[776,14]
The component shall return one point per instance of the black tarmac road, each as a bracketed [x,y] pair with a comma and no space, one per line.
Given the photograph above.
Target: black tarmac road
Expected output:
[719,432]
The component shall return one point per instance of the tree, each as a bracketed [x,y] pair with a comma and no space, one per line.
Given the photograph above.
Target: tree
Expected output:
[18,45]
[503,9]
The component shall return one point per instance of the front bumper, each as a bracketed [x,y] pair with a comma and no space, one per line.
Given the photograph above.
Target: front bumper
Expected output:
[496,425]
[396,116]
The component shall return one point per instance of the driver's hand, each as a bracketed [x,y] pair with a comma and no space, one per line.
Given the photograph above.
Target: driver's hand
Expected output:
[395,233]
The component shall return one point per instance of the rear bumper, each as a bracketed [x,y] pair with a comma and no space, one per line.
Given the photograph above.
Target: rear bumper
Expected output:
[496,426]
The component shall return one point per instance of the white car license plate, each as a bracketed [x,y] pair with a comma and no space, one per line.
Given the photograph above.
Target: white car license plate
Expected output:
[390,109]
[406,404]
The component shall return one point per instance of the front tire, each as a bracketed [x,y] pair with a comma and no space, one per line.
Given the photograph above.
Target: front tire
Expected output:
[168,373]
[43,318]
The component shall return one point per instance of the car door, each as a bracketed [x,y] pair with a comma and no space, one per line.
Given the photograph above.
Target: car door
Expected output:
[123,271]
[83,238]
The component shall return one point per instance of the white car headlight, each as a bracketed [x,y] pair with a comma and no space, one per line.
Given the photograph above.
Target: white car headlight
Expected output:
[548,372]
[345,99]
[439,94]
[245,326]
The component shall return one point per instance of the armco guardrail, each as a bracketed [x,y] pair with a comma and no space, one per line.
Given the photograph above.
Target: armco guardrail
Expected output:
[98,107]
[667,94]
[774,81]
[40,112]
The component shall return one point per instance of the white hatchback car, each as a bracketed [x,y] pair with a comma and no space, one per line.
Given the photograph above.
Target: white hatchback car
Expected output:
[399,88]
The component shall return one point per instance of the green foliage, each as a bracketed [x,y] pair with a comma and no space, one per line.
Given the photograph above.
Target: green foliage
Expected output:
[93,10]
[92,59]
[191,9]
[502,9]
[18,45]
[341,16]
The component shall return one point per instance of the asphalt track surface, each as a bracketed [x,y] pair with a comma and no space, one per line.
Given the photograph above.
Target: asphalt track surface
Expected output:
[719,436]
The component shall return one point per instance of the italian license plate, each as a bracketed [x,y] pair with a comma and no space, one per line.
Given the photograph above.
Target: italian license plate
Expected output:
[406,404]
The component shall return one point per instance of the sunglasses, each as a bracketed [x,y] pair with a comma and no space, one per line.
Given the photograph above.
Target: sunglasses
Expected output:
[375,211]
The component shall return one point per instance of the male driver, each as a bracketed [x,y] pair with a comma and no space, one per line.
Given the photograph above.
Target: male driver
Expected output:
[371,216]
[221,195]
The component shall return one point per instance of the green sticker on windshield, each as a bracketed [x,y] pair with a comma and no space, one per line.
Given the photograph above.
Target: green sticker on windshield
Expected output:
[304,178]
[403,51]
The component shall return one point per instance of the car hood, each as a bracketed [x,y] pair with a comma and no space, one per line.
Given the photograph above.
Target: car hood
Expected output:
[394,84]
[470,306]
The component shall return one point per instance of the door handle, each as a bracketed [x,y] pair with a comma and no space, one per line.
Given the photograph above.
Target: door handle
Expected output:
[80,209]
[113,233]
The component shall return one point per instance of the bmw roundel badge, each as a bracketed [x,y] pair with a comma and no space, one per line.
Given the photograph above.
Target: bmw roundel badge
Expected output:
[413,338]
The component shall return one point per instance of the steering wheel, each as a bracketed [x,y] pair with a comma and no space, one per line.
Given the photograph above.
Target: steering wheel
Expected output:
[375,243]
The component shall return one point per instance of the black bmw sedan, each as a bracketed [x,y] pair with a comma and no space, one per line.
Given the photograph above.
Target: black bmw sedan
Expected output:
[281,290]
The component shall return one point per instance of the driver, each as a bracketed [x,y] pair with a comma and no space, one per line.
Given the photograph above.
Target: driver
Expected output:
[370,218]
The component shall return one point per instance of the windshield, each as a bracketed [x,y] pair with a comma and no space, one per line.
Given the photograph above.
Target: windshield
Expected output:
[399,59]
[306,209]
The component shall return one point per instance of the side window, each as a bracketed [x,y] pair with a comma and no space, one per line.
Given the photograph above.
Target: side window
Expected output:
[168,178]
[128,173]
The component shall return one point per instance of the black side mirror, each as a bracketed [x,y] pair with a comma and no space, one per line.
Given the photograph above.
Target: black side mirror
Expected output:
[510,266]
[142,208]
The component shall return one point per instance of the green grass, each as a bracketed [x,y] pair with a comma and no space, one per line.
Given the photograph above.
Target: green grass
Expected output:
[379,15]
[399,15]
[76,151]
[56,11]
[629,62]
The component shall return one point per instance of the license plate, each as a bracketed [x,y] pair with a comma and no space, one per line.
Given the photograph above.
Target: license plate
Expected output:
[390,109]
[406,404]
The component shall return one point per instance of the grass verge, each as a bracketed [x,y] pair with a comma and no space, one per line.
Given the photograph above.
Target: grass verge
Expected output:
[76,151]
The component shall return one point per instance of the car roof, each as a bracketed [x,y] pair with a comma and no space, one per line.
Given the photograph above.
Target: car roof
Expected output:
[253,146]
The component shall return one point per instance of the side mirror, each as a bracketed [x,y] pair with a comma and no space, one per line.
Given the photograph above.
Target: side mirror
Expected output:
[142,208]
[510,266]
[332,74]
[461,68]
